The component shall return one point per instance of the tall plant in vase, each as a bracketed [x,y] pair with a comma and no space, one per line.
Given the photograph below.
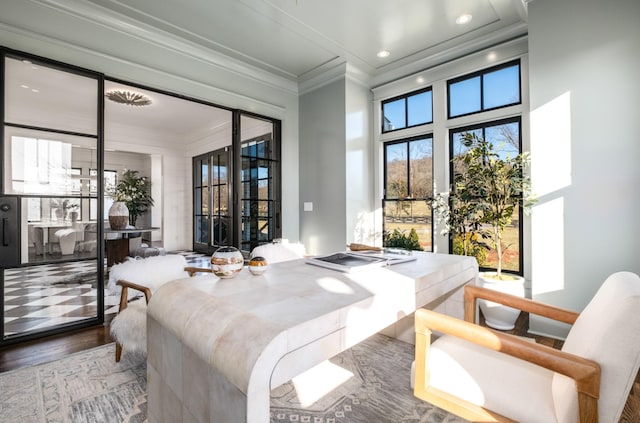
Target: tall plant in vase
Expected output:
[496,186]
[135,192]
[488,188]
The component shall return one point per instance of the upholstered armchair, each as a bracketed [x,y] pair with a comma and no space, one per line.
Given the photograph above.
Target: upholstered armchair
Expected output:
[136,278]
[486,376]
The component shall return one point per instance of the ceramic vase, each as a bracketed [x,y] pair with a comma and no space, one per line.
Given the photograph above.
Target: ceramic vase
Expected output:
[118,215]
[496,315]
[227,262]
[258,265]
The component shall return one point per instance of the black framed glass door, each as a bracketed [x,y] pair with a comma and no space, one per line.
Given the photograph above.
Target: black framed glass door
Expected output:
[259,188]
[51,138]
[213,203]
[236,189]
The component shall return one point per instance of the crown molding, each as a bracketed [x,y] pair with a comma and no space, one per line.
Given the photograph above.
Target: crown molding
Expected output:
[447,52]
[98,15]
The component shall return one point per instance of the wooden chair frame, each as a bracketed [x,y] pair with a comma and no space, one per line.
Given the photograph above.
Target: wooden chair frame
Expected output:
[586,373]
[124,296]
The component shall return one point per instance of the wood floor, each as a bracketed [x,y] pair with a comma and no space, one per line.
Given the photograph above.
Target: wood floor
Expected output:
[53,347]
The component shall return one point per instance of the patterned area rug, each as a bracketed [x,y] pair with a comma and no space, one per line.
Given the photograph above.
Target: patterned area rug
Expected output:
[367,383]
[84,387]
[375,387]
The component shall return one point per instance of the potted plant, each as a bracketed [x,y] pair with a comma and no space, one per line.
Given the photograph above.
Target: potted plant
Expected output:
[135,192]
[488,188]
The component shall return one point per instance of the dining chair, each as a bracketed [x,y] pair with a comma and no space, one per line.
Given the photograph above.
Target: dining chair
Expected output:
[484,375]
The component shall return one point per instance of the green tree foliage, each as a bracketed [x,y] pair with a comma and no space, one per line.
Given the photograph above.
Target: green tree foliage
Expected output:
[398,239]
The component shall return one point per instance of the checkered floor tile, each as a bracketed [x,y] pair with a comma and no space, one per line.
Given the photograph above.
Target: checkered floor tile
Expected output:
[48,295]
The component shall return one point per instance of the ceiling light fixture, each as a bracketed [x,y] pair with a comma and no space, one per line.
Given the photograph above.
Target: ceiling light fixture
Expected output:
[464,19]
[383,53]
[129,98]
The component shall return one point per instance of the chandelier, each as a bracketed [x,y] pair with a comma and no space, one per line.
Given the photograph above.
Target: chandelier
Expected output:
[129,98]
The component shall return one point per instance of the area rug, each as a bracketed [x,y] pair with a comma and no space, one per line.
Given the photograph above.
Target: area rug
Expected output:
[84,387]
[369,383]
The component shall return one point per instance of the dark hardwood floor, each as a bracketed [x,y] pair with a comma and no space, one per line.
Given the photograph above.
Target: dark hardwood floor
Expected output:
[53,347]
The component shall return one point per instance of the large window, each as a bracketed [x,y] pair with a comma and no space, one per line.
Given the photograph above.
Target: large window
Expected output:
[408,184]
[487,89]
[506,138]
[407,111]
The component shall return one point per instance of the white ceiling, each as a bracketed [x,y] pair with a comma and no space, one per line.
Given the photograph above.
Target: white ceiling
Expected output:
[297,40]
[300,38]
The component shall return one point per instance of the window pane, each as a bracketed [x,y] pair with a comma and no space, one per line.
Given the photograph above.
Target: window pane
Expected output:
[394,115]
[407,215]
[502,87]
[39,162]
[202,229]
[464,97]
[204,173]
[38,95]
[420,168]
[505,138]
[420,109]
[396,177]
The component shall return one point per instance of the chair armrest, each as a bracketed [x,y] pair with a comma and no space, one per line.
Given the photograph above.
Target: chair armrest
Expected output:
[125,292]
[193,270]
[472,293]
[585,372]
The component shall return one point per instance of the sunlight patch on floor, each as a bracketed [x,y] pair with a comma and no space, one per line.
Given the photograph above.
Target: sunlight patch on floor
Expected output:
[318,381]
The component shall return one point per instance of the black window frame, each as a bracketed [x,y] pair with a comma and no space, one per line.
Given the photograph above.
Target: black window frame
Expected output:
[481,73]
[408,198]
[405,97]
[483,126]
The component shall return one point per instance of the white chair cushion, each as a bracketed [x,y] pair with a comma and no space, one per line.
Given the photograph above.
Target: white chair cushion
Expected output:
[608,332]
[279,251]
[129,327]
[501,383]
[151,272]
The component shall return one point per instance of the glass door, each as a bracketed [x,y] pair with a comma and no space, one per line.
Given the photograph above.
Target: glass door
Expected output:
[259,187]
[213,211]
[236,188]
[53,278]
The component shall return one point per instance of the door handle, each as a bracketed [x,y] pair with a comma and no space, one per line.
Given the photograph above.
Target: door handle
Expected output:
[5,232]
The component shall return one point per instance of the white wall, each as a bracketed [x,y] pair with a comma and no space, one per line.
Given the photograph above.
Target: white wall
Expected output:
[360,223]
[323,168]
[82,34]
[584,59]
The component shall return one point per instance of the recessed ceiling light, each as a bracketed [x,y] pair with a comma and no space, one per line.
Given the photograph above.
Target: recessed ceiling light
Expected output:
[383,53]
[420,80]
[24,86]
[464,18]
[33,90]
